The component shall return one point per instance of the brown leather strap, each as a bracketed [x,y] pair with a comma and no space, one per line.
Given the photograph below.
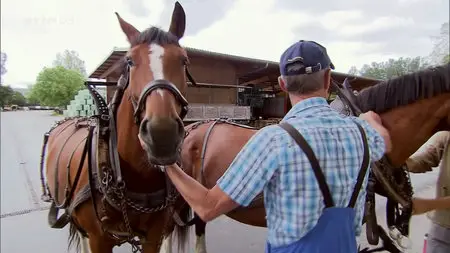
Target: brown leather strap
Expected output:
[328,200]
[363,170]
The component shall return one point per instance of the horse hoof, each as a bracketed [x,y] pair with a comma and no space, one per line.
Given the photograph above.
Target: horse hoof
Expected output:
[404,242]
[46,198]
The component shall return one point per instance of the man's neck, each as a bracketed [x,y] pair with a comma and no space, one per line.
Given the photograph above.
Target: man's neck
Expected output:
[295,98]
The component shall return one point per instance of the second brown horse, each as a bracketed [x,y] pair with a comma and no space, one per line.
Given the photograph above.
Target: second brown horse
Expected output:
[413,107]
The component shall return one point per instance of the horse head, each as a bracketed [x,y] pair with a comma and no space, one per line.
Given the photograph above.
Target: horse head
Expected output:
[155,78]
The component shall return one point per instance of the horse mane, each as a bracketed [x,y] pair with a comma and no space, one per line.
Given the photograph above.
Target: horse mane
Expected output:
[149,36]
[406,89]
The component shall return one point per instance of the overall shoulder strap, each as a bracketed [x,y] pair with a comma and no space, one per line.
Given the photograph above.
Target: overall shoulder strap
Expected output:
[328,200]
[363,170]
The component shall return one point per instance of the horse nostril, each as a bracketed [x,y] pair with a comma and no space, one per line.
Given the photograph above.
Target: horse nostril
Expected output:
[144,126]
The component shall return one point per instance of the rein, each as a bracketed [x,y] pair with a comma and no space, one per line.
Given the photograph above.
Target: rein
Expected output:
[383,178]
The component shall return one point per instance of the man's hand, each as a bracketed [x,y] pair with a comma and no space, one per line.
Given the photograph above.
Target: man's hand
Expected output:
[417,166]
[421,206]
[374,120]
[370,116]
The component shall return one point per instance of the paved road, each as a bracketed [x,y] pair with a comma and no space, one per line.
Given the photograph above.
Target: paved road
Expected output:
[24,217]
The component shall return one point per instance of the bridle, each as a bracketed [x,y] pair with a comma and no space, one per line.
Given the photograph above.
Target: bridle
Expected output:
[139,105]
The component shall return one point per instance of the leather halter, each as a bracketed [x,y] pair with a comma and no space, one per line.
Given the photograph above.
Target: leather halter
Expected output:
[139,106]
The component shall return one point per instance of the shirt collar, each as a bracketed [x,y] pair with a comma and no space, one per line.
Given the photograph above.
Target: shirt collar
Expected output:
[304,105]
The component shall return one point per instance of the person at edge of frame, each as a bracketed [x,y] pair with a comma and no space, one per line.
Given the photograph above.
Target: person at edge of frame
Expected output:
[309,208]
[434,152]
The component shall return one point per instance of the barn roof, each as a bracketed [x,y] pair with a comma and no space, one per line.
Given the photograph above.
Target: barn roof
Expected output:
[267,68]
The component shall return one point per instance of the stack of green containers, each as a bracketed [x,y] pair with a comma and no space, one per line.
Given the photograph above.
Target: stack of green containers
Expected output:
[83,104]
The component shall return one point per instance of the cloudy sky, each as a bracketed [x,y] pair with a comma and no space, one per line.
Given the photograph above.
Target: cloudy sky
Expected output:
[354,31]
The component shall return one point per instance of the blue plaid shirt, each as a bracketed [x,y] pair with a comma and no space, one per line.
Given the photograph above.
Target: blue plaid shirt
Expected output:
[273,162]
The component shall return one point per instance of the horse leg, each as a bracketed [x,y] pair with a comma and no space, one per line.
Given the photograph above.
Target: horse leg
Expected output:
[97,242]
[84,241]
[200,230]
[153,241]
[166,246]
[99,245]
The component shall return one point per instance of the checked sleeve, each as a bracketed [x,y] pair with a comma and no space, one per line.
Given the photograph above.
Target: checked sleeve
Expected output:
[377,147]
[252,168]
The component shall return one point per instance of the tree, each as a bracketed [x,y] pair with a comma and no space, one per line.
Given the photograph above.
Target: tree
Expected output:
[391,68]
[447,59]
[18,99]
[440,53]
[353,71]
[4,57]
[70,60]
[6,92]
[56,86]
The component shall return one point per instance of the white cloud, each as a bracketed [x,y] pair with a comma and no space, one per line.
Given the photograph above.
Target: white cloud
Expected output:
[265,34]
[33,35]
[258,33]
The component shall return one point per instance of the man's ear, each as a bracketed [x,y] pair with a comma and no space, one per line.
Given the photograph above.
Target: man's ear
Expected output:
[282,84]
[327,79]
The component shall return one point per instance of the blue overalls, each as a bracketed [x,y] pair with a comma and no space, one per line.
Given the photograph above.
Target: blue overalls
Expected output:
[335,231]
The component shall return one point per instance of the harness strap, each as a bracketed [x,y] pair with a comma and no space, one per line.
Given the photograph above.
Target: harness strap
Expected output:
[202,155]
[363,170]
[328,200]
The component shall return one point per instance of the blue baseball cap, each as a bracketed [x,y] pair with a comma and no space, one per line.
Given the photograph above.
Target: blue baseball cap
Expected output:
[304,57]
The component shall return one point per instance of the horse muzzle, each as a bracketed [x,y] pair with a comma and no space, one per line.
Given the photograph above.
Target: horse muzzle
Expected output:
[161,138]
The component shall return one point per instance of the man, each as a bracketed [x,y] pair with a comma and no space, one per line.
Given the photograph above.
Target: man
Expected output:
[435,151]
[272,162]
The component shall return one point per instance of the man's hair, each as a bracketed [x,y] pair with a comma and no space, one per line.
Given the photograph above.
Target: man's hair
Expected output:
[306,83]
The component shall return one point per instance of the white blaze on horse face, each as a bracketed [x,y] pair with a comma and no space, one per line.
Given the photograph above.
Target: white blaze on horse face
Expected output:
[156,55]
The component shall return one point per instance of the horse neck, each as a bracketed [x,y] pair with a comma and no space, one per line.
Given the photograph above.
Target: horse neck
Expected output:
[412,125]
[134,164]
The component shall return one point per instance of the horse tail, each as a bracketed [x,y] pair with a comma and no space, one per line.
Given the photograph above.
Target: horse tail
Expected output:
[74,238]
[182,232]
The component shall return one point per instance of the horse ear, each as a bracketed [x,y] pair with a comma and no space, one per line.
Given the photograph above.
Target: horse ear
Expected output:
[178,23]
[130,31]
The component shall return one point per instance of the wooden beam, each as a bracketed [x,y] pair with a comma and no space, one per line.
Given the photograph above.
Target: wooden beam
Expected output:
[111,69]
[258,80]
[215,85]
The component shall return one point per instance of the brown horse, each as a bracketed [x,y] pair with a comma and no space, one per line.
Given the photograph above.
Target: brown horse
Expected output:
[413,107]
[103,170]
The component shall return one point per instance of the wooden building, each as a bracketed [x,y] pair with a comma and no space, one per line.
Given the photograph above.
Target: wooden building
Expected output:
[221,77]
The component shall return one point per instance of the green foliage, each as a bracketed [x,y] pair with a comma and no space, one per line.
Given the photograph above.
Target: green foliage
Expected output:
[6,94]
[446,59]
[56,86]
[353,71]
[18,99]
[70,59]
[440,52]
[391,68]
